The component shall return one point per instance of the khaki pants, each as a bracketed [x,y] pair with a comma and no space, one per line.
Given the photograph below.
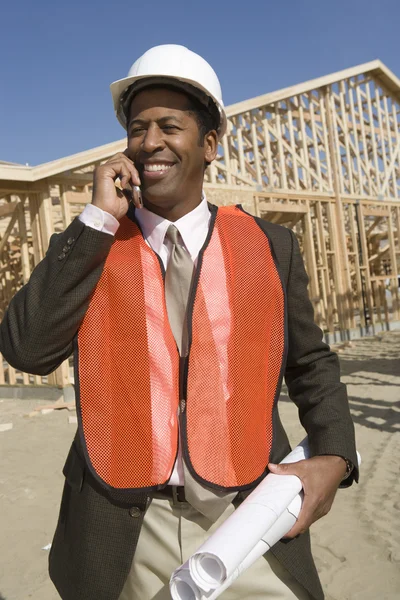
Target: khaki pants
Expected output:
[171,532]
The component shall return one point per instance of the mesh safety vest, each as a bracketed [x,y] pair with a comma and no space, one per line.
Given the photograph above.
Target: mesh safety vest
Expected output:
[134,391]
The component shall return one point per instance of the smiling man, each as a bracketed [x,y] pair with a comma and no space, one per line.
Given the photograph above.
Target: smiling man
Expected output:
[183,318]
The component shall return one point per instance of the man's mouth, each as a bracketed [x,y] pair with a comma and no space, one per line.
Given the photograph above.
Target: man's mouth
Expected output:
[156,170]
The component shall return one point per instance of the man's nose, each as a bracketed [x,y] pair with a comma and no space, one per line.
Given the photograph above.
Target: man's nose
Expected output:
[153,139]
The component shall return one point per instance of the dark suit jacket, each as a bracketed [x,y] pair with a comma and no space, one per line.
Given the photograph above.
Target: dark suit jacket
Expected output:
[97,533]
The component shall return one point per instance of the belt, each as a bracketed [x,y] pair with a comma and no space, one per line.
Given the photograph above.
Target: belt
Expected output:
[176,493]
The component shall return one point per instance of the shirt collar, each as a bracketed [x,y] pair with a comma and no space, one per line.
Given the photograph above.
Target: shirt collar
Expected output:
[155,227]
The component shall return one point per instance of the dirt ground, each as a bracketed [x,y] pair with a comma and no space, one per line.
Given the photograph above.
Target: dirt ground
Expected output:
[356,547]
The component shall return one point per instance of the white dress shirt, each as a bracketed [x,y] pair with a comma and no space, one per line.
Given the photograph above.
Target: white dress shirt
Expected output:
[193,228]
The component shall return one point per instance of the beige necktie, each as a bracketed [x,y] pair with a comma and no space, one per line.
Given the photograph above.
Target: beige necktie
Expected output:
[178,280]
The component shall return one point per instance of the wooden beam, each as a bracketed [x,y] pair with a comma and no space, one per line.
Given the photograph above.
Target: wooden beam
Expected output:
[7,209]
[326,287]
[25,261]
[45,219]
[390,134]
[268,154]
[78,197]
[379,254]
[2,375]
[62,378]
[390,169]
[297,195]
[324,106]
[394,288]
[337,231]
[374,224]
[364,140]
[7,232]
[396,190]
[310,253]
[282,208]
[227,159]
[20,187]
[346,137]
[69,179]
[372,137]
[308,175]
[256,152]
[313,84]
[280,140]
[355,242]
[35,227]
[366,270]
[375,212]
[316,145]
[293,149]
[65,207]
[382,277]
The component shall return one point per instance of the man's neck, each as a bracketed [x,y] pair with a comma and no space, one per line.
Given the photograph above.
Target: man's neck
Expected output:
[174,211]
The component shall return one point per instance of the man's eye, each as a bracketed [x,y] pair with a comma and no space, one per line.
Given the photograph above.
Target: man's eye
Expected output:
[137,130]
[170,127]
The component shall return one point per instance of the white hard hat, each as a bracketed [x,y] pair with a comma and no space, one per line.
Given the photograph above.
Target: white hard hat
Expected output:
[173,65]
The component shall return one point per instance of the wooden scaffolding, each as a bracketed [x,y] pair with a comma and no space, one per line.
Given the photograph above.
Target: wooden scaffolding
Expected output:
[322,158]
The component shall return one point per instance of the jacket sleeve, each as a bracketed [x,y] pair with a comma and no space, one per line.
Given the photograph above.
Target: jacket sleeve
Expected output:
[38,328]
[313,374]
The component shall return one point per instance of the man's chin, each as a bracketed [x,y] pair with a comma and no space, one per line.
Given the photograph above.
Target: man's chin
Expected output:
[156,196]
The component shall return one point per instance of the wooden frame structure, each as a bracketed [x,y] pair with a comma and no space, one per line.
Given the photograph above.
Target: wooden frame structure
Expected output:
[321,157]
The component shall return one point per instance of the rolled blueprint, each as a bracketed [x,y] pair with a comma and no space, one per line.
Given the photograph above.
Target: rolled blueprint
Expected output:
[218,558]
[284,524]
[266,515]
[183,587]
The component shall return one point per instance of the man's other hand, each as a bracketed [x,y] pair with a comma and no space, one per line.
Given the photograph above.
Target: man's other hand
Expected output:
[320,477]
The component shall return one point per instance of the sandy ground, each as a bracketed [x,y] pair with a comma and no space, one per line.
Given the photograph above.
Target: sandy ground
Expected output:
[356,547]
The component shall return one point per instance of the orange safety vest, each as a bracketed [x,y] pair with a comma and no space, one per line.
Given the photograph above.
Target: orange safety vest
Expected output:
[134,391]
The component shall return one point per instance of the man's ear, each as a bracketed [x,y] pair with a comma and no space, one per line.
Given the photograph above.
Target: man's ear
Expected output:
[210,146]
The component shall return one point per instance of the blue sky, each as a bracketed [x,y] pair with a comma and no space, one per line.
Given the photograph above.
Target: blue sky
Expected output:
[58,58]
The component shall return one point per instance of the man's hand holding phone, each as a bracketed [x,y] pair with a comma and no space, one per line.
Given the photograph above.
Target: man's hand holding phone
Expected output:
[106,194]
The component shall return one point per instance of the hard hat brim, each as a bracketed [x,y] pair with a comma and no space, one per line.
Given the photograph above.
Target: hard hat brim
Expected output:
[119,87]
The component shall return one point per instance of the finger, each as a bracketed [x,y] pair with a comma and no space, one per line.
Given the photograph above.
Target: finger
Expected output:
[313,508]
[121,159]
[296,468]
[304,520]
[136,179]
[293,533]
[124,176]
[132,192]
[116,158]
[116,169]
[121,156]
[300,527]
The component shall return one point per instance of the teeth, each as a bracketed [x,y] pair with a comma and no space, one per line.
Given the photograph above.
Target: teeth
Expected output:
[157,167]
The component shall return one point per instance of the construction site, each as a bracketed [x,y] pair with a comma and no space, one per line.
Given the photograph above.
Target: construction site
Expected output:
[321,157]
